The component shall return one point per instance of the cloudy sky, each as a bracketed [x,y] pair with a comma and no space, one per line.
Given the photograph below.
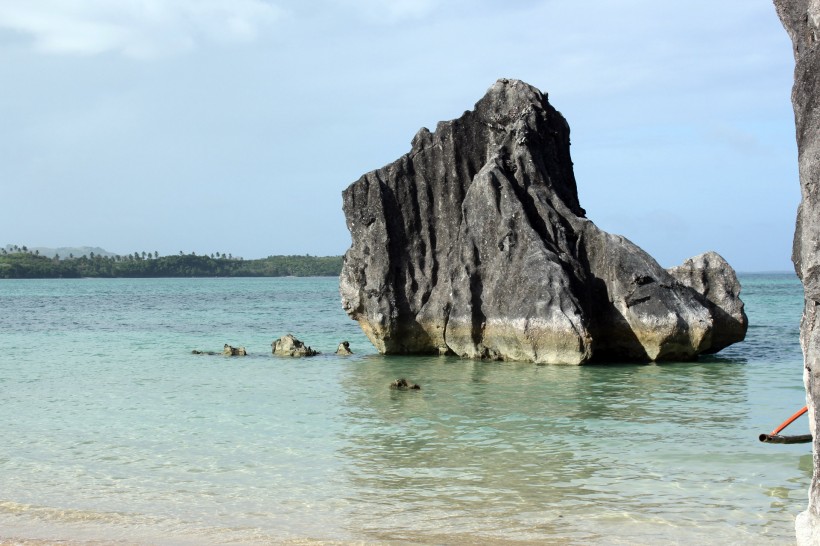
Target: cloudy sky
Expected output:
[234,125]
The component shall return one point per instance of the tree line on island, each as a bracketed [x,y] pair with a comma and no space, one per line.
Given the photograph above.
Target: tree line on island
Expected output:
[19,262]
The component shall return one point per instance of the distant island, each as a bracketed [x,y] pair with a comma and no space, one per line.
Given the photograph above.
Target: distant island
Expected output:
[24,263]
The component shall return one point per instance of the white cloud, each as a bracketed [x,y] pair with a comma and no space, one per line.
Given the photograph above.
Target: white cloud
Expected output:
[135,28]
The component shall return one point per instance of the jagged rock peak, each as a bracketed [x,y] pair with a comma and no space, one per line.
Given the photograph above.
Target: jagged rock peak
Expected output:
[474,243]
[511,113]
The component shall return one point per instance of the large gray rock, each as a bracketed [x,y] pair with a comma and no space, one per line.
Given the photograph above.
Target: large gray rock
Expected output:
[712,277]
[801,18]
[474,243]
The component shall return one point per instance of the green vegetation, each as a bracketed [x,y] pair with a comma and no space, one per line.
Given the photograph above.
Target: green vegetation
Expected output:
[20,263]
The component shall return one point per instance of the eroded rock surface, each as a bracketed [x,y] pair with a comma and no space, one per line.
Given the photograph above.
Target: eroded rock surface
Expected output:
[344,349]
[234,351]
[711,277]
[474,243]
[801,18]
[288,345]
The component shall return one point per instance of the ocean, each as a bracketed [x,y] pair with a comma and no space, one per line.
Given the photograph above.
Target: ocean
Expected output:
[113,432]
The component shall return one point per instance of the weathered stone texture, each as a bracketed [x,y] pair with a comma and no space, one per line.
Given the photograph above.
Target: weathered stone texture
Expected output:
[344,349]
[801,18]
[474,243]
[233,351]
[288,345]
[709,275]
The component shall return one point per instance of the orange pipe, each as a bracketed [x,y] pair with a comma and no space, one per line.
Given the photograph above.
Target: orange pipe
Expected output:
[789,421]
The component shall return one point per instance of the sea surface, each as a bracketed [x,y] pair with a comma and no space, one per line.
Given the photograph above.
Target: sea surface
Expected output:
[112,432]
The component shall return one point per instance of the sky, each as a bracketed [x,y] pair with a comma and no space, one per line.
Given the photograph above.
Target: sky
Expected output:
[233,126]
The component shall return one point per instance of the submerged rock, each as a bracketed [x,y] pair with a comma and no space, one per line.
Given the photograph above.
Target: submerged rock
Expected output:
[290,346]
[234,351]
[474,243]
[801,18]
[344,349]
[404,385]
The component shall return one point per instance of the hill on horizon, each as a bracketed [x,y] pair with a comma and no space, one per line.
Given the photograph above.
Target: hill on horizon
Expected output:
[66,251]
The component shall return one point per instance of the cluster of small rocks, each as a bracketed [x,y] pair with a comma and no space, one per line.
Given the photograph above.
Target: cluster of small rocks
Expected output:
[289,346]
[286,345]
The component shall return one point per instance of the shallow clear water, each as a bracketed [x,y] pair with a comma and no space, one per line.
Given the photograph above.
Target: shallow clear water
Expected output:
[113,431]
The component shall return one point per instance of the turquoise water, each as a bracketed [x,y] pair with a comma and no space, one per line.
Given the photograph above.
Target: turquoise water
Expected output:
[112,431]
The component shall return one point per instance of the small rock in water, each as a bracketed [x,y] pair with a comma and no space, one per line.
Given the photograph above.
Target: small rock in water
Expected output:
[234,351]
[344,348]
[197,352]
[403,385]
[290,346]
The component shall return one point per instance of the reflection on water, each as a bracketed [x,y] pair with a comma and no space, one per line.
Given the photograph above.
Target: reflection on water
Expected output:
[521,452]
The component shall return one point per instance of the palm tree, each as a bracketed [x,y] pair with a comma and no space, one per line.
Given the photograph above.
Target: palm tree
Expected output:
[156,254]
[143,254]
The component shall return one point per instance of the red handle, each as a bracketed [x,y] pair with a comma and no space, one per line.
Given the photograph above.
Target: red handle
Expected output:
[790,420]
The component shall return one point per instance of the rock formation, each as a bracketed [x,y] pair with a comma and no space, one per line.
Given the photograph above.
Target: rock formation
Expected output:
[709,275]
[233,351]
[801,18]
[474,243]
[344,348]
[404,385]
[290,346]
